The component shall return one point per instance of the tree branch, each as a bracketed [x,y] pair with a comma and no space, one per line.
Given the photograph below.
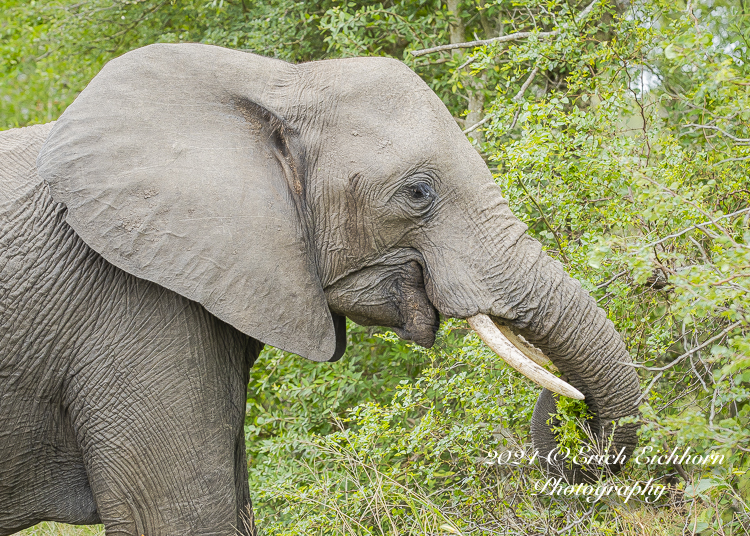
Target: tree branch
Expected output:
[727,134]
[738,159]
[611,280]
[519,96]
[546,221]
[482,42]
[683,356]
[697,226]
[472,128]
[502,39]
[526,84]
[688,353]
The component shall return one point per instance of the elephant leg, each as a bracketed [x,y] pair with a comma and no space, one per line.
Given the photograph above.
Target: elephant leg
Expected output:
[159,416]
[46,478]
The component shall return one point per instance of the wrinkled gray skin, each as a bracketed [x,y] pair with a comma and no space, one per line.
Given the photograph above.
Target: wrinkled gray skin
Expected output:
[195,203]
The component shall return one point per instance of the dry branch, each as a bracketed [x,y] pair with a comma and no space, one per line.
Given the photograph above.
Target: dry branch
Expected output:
[697,226]
[482,42]
[502,39]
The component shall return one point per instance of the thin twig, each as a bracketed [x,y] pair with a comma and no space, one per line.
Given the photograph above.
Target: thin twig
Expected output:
[526,84]
[472,128]
[519,95]
[482,42]
[697,207]
[697,374]
[583,517]
[585,13]
[609,281]
[502,39]
[515,118]
[727,134]
[689,352]
[467,62]
[680,469]
[728,279]
[549,226]
[697,226]
[738,159]
[713,401]
[689,10]
[703,251]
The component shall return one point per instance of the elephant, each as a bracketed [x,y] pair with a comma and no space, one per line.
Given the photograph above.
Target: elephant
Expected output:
[195,203]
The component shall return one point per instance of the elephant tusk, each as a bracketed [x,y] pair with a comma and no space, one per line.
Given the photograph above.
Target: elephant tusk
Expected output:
[499,343]
[526,348]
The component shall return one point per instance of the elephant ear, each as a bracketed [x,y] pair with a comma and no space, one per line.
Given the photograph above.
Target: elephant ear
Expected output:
[175,167]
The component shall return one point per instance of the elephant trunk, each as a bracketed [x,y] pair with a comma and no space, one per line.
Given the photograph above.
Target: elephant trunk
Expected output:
[506,276]
[561,319]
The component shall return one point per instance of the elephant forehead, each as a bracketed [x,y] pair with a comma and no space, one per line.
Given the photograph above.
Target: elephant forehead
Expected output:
[397,112]
[380,93]
[369,142]
[375,117]
[402,129]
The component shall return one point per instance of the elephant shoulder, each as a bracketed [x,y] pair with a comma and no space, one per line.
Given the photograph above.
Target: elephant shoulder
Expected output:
[19,148]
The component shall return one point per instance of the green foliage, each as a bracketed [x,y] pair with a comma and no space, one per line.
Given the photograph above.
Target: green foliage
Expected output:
[393,463]
[620,136]
[568,423]
[290,398]
[49,528]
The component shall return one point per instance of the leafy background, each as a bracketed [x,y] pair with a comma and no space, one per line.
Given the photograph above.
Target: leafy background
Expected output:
[620,134]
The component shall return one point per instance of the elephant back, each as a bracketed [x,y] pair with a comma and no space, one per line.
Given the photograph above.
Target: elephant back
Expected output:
[19,148]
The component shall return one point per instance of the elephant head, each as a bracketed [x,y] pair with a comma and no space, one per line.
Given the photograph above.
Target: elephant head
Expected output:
[284,197]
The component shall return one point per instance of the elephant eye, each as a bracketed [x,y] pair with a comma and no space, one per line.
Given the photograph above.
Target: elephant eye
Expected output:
[420,191]
[420,195]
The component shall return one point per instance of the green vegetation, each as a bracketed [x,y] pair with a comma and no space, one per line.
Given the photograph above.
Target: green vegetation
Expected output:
[60,529]
[568,424]
[620,134]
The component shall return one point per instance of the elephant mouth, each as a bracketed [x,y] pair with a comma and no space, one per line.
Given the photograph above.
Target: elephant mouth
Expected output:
[392,296]
[395,296]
